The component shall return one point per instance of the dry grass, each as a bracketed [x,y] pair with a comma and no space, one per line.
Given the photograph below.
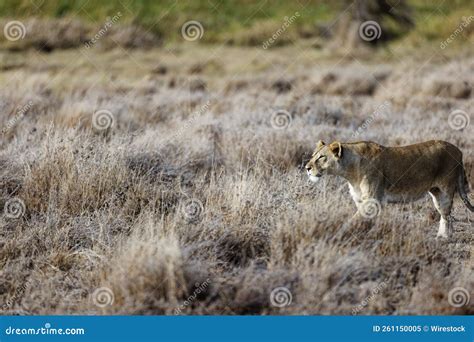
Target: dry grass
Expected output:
[47,35]
[193,185]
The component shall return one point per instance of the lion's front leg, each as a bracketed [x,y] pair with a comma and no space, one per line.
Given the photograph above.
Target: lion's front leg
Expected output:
[368,200]
[356,195]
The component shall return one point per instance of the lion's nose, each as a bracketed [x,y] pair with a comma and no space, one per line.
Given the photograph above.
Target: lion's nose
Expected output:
[308,168]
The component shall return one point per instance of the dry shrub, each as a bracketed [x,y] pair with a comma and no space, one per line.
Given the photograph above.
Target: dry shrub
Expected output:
[392,18]
[50,34]
[349,83]
[64,33]
[146,274]
[430,293]
[449,80]
[455,88]
[130,36]
[260,32]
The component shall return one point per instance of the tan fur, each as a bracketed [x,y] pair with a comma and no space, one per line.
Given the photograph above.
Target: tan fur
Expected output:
[396,174]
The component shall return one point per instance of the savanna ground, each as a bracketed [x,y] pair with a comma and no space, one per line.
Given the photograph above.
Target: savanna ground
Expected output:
[169,180]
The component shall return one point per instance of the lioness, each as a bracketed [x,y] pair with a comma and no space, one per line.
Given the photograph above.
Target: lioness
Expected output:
[378,174]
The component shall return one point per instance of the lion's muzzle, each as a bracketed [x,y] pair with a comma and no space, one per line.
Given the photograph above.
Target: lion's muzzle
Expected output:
[313,178]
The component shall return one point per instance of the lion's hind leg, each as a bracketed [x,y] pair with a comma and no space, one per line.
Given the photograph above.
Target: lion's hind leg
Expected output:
[443,202]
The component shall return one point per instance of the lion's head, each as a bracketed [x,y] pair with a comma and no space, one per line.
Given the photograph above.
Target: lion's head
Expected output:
[325,160]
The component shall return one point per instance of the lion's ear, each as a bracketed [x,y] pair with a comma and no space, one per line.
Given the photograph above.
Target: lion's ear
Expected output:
[336,149]
[320,144]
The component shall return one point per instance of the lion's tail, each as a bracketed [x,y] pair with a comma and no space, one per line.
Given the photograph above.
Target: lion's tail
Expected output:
[463,189]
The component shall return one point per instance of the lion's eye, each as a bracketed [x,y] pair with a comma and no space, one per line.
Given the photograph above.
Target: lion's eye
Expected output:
[322,158]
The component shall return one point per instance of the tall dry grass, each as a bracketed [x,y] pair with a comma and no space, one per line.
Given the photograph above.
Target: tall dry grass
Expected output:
[194,184]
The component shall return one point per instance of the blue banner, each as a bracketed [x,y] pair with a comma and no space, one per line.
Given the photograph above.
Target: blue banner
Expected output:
[237,328]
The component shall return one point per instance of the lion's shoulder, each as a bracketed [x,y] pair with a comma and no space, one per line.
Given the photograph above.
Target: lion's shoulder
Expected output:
[366,149]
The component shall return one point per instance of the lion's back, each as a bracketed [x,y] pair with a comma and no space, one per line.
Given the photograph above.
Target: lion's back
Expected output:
[409,169]
[420,166]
